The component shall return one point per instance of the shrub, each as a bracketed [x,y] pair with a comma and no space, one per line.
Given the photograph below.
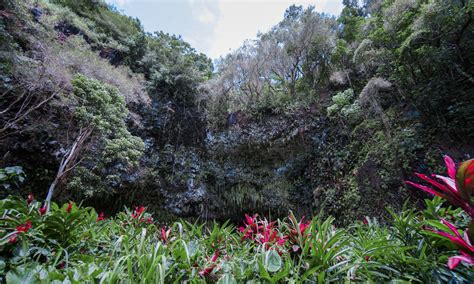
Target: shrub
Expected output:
[72,243]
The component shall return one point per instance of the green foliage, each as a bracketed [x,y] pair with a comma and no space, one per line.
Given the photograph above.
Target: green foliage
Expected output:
[11,177]
[351,19]
[280,72]
[341,102]
[99,106]
[71,243]
[80,5]
[102,109]
[173,68]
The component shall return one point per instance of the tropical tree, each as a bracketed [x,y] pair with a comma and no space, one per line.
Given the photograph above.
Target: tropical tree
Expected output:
[99,115]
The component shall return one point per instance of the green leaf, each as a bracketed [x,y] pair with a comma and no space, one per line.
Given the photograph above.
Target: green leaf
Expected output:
[227,279]
[21,275]
[2,266]
[272,261]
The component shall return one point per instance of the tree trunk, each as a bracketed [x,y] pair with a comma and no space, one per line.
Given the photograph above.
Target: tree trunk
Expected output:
[68,163]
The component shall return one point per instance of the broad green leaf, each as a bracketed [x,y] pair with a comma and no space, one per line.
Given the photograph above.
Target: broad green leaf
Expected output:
[21,275]
[227,279]
[272,261]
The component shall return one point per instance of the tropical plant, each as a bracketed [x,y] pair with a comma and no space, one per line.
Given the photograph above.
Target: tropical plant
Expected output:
[11,176]
[99,114]
[457,188]
[73,243]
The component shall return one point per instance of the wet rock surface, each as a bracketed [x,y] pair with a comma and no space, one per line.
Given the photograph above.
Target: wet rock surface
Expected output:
[250,166]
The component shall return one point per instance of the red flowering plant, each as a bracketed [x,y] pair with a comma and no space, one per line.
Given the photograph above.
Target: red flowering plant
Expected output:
[298,232]
[139,216]
[261,231]
[457,188]
[12,237]
[269,235]
[69,207]
[211,265]
[165,235]
[42,210]
[16,221]
[30,199]
[100,217]
[250,227]
[28,222]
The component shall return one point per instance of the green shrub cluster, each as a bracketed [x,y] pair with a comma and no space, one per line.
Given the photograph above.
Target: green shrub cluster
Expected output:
[100,108]
[76,245]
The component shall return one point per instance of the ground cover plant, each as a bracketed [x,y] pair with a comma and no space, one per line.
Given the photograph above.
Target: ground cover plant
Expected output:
[75,244]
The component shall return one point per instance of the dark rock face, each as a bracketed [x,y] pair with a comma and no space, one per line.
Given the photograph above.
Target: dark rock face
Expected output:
[258,166]
[252,166]
[37,12]
[236,118]
[175,124]
[66,30]
[114,56]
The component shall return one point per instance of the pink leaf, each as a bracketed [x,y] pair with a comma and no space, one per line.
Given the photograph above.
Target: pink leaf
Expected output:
[451,166]
[451,227]
[455,260]
[425,188]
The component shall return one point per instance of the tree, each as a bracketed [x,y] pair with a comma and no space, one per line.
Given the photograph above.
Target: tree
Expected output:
[173,68]
[292,58]
[99,114]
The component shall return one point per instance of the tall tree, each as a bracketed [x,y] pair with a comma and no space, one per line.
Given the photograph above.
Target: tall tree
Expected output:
[99,115]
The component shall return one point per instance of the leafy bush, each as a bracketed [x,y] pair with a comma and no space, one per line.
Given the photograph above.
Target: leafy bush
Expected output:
[75,244]
[100,113]
[11,176]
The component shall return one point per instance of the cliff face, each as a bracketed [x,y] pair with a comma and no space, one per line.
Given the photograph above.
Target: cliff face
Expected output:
[250,166]
[188,170]
[345,150]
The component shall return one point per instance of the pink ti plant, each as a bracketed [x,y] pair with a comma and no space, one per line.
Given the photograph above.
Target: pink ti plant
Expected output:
[457,188]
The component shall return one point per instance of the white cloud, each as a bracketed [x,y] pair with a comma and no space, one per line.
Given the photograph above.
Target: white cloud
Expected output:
[216,26]
[243,19]
[119,2]
[206,16]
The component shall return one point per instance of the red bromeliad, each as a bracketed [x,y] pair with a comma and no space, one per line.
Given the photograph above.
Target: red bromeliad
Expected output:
[251,227]
[215,256]
[101,217]
[149,220]
[453,261]
[24,228]
[457,188]
[303,226]
[297,229]
[462,242]
[13,239]
[164,235]
[43,210]
[138,212]
[30,198]
[69,207]
[269,235]
[261,231]
[207,270]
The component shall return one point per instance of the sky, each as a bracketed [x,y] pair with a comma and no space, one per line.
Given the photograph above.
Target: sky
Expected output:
[215,27]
